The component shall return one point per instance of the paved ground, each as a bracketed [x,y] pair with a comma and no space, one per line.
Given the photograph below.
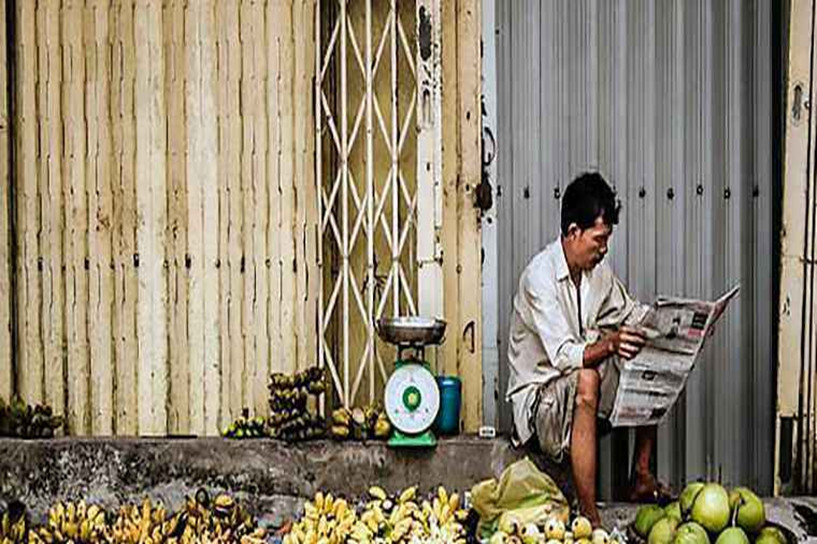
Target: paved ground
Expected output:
[274,478]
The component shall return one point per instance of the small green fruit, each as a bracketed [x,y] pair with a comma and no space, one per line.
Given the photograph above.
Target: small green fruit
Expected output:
[673,510]
[663,532]
[711,508]
[600,536]
[770,531]
[581,528]
[688,497]
[646,517]
[531,534]
[750,515]
[554,529]
[691,533]
[733,535]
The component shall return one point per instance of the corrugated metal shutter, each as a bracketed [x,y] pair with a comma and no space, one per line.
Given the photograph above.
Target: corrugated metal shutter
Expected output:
[673,102]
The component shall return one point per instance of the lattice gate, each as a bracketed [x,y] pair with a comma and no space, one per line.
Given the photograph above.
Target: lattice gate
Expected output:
[378,170]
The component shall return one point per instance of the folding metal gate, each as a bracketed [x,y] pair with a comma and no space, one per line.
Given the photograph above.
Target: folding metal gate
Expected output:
[378,143]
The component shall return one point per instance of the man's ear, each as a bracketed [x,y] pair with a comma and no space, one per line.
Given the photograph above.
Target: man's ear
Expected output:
[573,229]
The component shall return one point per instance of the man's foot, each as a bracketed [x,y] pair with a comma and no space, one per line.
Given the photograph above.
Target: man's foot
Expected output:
[647,489]
[594,517]
[595,522]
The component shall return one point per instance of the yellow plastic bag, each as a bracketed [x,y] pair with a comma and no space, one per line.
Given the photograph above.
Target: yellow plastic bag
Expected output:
[523,494]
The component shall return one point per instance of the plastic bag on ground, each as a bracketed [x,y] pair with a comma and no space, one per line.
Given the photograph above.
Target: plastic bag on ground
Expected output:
[523,493]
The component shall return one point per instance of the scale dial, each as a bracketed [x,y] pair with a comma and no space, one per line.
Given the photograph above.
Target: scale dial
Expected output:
[412,398]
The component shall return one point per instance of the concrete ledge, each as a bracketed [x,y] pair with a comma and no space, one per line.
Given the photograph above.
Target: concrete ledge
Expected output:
[274,478]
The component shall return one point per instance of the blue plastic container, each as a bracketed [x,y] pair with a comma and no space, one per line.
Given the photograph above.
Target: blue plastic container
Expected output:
[448,418]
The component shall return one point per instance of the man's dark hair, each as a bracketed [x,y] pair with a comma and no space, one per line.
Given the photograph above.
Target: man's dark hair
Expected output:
[588,197]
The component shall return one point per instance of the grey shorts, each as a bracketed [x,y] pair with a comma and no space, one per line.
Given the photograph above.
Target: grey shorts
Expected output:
[553,409]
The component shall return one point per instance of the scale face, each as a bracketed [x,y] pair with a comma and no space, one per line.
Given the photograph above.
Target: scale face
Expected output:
[412,398]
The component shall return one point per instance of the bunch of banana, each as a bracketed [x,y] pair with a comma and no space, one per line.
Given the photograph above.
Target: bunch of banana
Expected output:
[290,401]
[20,420]
[302,427]
[289,413]
[13,524]
[360,423]
[341,424]
[72,522]
[311,379]
[382,519]
[246,427]
[225,521]
[142,523]
[324,518]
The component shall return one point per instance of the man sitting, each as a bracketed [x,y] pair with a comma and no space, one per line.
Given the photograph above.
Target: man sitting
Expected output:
[568,329]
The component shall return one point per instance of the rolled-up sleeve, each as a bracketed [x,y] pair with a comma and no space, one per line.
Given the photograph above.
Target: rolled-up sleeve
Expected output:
[564,348]
[618,307]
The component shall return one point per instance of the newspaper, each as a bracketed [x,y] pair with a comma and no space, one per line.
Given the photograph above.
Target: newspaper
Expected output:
[650,383]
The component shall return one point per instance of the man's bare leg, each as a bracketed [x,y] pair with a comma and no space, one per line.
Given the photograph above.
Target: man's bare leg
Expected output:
[583,443]
[643,480]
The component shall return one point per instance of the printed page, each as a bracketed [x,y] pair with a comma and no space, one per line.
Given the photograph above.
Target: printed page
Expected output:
[651,382]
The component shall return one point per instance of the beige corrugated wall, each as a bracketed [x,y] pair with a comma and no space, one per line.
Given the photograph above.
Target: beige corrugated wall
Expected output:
[164,209]
[5,246]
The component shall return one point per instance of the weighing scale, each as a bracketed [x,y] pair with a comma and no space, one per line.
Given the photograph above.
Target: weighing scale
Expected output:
[412,397]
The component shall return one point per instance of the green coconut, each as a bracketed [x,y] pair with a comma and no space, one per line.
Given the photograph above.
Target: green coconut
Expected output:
[673,510]
[733,535]
[663,531]
[750,515]
[688,497]
[767,539]
[711,508]
[646,517]
[772,532]
[691,533]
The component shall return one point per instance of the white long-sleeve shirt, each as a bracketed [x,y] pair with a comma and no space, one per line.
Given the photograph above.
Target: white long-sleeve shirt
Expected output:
[546,338]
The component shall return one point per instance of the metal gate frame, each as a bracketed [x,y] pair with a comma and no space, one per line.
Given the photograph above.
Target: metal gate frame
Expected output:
[347,217]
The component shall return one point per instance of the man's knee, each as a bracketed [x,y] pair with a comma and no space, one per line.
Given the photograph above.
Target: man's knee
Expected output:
[587,389]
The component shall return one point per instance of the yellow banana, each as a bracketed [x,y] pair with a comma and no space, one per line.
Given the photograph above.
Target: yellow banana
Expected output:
[443,494]
[436,507]
[85,530]
[340,508]
[408,494]
[445,514]
[328,503]
[319,501]
[310,511]
[454,502]
[377,492]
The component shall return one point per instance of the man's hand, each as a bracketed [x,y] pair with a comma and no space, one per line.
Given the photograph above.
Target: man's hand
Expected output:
[626,342]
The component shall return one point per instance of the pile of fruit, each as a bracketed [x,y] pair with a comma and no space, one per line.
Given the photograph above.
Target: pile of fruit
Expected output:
[246,427]
[360,423]
[290,418]
[579,531]
[21,420]
[223,521]
[384,518]
[13,524]
[706,513]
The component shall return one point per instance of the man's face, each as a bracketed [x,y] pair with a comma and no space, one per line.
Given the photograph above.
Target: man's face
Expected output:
[589,246]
